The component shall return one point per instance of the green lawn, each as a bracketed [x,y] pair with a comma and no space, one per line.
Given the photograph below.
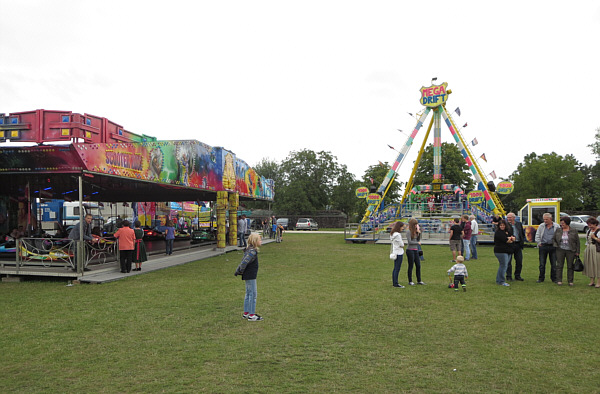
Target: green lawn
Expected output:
[333,322]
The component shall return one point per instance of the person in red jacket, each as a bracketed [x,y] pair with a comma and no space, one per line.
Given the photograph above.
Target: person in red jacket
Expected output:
[126,237]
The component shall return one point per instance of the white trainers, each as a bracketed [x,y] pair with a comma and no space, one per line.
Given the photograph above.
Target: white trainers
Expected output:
[254,318]
[412,283]
[505,284]
[421,283]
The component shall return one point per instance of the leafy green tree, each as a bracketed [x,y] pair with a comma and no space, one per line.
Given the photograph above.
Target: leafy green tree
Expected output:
[596,145]
[343,196]
[454,168]
[549,175]
[592,181]
[307,180]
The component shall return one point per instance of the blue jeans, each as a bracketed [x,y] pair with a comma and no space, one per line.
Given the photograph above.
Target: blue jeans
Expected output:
[169,243]
[413,259]
[250,299]
[474,247]
[467,248]
[242,240]
[503,261]
[396,271]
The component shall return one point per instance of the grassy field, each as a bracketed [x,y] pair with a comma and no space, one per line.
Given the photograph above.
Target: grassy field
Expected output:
[333,322]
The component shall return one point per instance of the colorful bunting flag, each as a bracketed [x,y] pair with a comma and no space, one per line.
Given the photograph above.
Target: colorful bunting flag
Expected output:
[457,110]
[474,142]
[493,174]
[391,147]
[465,125]
[483,157]
[409,113]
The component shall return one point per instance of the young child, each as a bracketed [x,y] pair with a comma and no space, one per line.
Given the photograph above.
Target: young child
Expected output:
[460,273]
[248,268]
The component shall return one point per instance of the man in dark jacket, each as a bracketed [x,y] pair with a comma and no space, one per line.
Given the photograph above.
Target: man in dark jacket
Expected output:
[515,229]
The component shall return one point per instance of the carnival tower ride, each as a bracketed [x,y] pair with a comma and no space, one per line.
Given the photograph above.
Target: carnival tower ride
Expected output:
[434,99]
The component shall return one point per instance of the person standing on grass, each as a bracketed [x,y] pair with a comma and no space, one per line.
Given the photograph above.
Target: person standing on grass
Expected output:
[502,249]
[248,268]
[466,237]
[591,266]
[126,237]
[515,228]
[169,237]
[566,242]
[398,250]
[460,273]
[455,241]
[474,233]
[412,251]
[543,238]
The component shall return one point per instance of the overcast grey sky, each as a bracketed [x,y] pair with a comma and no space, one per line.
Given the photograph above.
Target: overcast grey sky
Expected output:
[263,78]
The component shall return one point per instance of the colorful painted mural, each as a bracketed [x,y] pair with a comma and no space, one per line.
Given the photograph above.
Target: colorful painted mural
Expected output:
[186,163]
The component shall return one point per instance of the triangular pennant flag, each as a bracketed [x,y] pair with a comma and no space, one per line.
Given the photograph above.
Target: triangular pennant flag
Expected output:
[457,110]
[391,147]
[381,164]
[409,113]
[465,125]
[493,174]
[474,142]
[483,157]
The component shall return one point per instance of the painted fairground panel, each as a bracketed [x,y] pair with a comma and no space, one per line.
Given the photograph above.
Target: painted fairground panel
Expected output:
[185,163]
[250,184]
[46,159]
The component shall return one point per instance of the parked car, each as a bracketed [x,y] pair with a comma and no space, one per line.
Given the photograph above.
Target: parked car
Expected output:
[579,223]
[284,222]
[307,224]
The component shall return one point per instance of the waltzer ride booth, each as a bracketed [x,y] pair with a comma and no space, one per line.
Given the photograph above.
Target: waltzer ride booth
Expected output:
[87,158]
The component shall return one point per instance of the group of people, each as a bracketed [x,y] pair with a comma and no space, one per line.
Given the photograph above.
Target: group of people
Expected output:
[413,251]
[131,245]
[463,238]
[557,243]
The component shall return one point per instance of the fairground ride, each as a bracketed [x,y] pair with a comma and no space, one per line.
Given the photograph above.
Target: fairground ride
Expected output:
[434,99]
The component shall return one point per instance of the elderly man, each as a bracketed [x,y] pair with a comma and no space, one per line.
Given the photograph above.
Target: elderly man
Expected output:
[543,238]
[515,229]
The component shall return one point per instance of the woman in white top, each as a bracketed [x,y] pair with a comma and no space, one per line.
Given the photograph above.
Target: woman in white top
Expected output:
[398,250]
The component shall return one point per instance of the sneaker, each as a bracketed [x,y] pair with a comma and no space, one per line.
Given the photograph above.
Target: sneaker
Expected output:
[399,286]
[245,315]
[254,318]
[421,283]
[464,287]
[412,283]
[505,284]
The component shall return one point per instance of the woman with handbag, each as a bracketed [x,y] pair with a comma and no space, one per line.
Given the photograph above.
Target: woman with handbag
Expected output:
[566,242]
[591,267]
[397,250]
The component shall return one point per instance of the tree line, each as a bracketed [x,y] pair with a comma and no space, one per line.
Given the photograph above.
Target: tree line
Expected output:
[307,182]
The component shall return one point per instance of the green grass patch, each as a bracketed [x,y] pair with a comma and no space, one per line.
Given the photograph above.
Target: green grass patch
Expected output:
[333,322]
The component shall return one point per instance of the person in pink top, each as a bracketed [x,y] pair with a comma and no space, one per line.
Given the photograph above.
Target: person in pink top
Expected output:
[126,237]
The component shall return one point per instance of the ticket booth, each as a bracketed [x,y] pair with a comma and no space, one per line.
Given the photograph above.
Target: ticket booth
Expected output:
[532,214]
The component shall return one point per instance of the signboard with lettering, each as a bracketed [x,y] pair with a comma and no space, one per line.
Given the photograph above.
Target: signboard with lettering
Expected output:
[504,188]
[434,95]
[476,197]
[373,199]
[362,192]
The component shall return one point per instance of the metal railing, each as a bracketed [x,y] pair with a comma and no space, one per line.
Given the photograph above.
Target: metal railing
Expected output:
[55,252]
